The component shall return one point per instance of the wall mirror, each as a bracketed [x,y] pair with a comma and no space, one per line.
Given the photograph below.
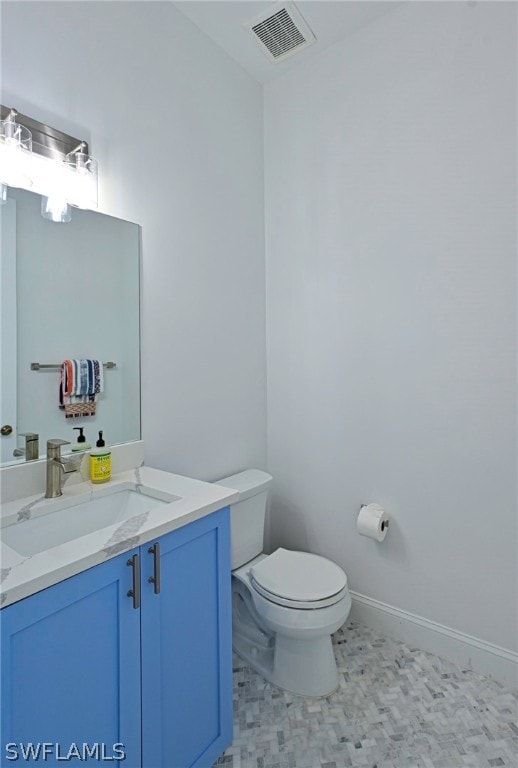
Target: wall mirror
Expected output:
[68,291]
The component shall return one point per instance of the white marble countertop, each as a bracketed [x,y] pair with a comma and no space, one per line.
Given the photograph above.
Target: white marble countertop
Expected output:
[21,576]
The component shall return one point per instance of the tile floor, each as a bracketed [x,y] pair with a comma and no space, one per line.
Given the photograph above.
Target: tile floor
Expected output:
[396,707]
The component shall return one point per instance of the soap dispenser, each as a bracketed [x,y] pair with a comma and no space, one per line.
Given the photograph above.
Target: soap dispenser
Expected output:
[100,462]
[81,444]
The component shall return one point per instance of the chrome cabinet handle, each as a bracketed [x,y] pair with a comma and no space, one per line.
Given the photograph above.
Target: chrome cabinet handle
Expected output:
[134,562]
[155,578]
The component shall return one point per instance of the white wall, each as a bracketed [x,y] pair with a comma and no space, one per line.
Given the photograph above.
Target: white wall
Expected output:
[177,128]
[391,309]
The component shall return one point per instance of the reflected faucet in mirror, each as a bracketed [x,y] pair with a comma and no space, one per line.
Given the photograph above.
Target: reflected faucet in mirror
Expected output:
[57,467]
[32,446]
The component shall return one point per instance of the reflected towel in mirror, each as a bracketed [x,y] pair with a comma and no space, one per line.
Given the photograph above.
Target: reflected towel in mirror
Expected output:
[80,383]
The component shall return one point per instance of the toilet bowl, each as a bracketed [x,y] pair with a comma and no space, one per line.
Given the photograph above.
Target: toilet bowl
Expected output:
[285,605]
[299,622]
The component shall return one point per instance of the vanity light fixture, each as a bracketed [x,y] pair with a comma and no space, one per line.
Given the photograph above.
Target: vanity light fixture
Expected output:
[40,158]
[82,177]
[74,183]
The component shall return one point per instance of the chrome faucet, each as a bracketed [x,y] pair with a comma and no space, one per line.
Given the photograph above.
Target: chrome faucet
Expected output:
[57,466]
[32,446]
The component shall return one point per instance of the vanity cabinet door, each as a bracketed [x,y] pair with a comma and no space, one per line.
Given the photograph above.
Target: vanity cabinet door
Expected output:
[71,667]
[187,646]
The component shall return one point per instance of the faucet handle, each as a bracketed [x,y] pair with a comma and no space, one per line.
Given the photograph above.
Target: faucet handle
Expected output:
[29,435]
[56,442]
[54,447]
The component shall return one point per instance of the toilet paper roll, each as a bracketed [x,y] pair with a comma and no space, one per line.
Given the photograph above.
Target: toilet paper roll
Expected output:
[373,522]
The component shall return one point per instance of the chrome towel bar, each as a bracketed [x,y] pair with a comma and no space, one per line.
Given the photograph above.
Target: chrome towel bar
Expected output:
[57,366]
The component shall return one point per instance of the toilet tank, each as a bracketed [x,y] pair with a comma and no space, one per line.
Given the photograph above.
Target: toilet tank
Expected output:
[247,515]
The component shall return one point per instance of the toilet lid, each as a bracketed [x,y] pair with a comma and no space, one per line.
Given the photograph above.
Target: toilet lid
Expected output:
[299,577]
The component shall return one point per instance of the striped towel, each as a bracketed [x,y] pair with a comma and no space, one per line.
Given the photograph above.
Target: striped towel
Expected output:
[82,380]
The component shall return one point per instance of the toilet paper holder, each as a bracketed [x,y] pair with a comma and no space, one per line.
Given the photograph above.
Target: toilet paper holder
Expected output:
[384,523]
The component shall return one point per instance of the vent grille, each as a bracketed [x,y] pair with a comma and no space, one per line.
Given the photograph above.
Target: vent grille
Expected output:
[279,34]
[282,32]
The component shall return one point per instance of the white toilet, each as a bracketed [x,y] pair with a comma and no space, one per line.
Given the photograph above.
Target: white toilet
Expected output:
[286,605]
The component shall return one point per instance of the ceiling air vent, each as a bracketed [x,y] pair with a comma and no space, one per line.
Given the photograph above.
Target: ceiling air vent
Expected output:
[281,31]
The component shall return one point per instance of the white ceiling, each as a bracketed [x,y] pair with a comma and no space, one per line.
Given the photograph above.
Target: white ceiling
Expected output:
[329,21]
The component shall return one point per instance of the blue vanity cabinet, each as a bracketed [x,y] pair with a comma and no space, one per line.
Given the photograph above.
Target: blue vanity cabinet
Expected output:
[70,672]
[86,661]
[187,646]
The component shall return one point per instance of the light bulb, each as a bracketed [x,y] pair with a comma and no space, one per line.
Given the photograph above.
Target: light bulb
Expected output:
[15,151]
[82,179]
[56,209]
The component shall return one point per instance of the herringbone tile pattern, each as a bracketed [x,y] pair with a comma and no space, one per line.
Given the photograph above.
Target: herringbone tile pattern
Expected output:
[396,707]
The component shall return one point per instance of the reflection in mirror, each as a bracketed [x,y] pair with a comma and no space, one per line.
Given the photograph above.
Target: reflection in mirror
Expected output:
[69,291]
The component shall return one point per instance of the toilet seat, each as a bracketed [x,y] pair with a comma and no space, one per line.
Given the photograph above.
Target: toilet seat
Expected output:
[298,580]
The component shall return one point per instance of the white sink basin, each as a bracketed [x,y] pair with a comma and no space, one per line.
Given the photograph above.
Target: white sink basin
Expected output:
[75,517]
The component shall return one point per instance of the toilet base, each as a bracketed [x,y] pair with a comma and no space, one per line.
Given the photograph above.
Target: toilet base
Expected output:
[292,665]
[306,667]
[257,657]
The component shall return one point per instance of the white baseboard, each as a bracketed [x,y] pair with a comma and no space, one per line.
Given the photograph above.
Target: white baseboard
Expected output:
[465,650]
